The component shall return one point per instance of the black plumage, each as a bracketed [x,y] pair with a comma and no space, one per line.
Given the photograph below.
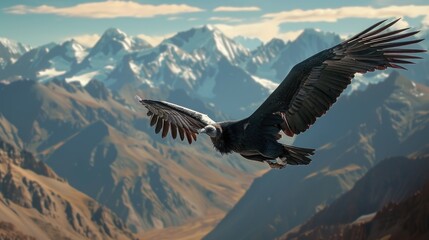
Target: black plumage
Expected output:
[307,92]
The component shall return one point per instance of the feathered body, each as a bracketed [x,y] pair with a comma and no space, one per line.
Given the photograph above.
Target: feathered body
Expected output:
[231,137]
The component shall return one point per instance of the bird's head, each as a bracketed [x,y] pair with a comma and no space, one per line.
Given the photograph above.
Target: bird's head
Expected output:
[211,130]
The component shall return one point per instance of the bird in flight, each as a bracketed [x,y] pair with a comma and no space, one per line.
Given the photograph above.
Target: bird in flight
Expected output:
[307,92]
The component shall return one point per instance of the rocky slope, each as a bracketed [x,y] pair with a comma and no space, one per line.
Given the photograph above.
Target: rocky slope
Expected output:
[35,202]
[374,206]
[388,119]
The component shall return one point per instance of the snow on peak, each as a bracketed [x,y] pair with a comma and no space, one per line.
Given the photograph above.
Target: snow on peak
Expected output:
[75,50]
[13,47]
[209,40]
[210,27]
[112,41]
[139,43]
[10,51]
[114,33]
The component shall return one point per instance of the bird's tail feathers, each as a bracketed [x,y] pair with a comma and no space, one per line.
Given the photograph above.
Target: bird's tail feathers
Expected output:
[297,156]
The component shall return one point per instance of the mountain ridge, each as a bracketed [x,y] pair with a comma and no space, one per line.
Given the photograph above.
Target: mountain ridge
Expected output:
[37,202]
[390,182]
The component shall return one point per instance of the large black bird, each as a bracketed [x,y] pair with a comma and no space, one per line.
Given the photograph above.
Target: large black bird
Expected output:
[307,92]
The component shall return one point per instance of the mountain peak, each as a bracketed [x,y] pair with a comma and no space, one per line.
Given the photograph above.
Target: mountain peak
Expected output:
[140,43]
[10,51]
[74,50]
[275,42]
[209,27]
[112,42]
[311,34]
[114,33]
[14,47]
[210,41]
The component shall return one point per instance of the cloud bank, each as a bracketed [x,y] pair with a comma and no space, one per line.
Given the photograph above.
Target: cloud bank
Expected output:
[107,9]
[269,25]
[335,14]
[236,9]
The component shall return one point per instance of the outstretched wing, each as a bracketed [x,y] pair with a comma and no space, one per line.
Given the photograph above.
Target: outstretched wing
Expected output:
[313,85]
[167,116]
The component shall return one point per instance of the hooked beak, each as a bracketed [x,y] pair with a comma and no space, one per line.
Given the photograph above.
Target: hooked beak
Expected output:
[202,130]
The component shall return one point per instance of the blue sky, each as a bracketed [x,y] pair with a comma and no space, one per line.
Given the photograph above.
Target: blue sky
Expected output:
[38,22]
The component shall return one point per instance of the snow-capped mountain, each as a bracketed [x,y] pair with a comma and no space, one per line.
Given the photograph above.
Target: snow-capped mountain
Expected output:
[165,64]
[114,41]
[105,55]
[201,61]
[168,66]
[267,52]
[10,51]
[46,62]
[210,44]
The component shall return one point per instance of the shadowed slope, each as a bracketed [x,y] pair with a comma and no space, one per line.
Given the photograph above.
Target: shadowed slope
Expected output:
[388,200]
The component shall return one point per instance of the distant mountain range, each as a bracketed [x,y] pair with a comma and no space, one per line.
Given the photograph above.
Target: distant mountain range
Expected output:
[201,61]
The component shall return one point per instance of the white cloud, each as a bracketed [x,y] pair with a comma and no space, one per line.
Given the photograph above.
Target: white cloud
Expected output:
[87,40]
[236,9]
[264,30]
[335,14]
[401,24]
[106,9]
[174,18]
[269,26]
[155,40]
[225,19]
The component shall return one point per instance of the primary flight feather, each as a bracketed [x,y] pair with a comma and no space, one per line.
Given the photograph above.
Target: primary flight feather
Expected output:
[307,92]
